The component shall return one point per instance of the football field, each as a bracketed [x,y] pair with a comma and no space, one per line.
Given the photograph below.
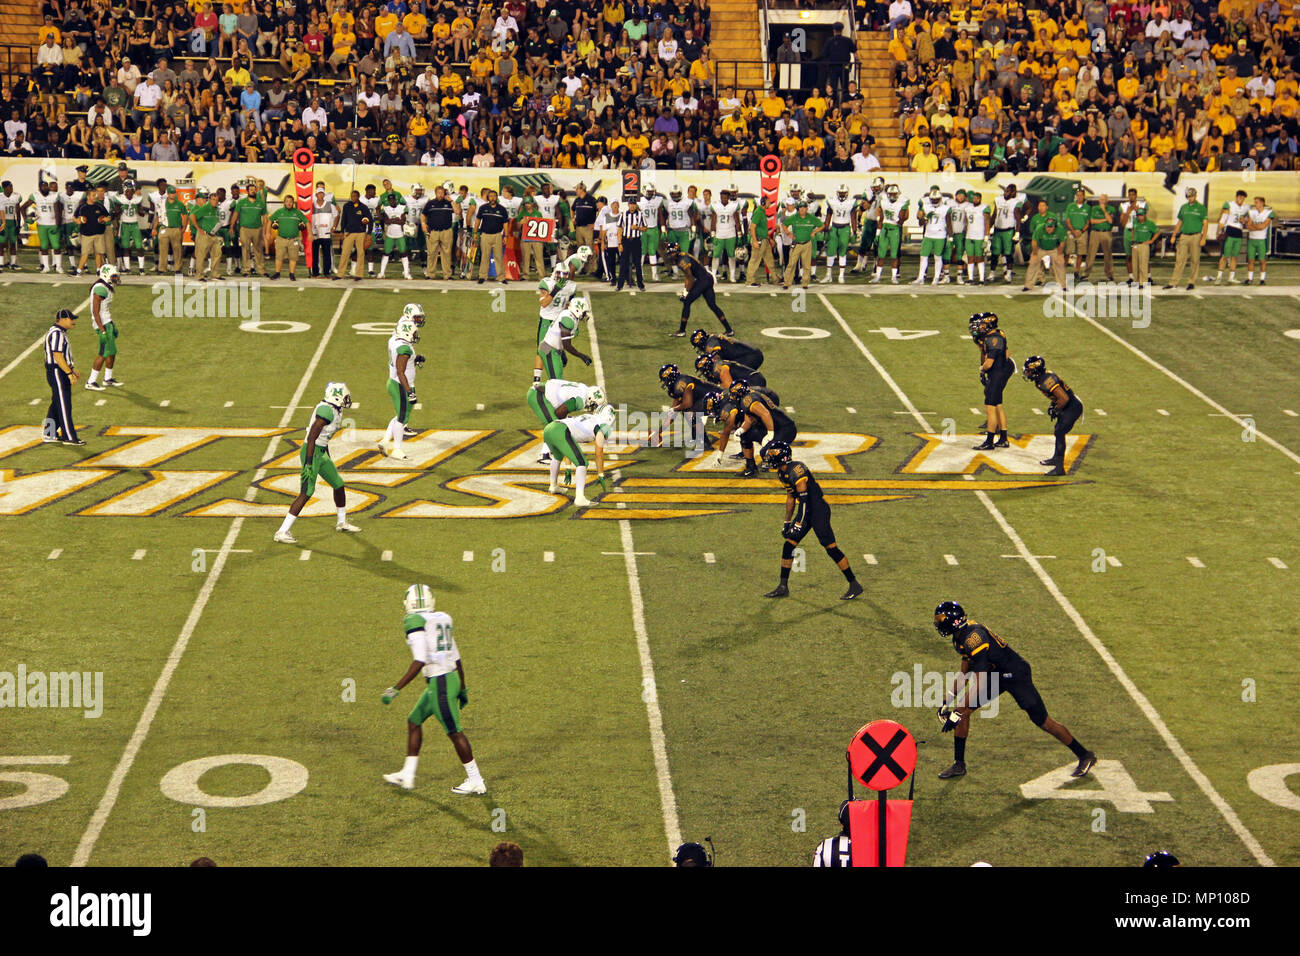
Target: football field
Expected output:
[630,688]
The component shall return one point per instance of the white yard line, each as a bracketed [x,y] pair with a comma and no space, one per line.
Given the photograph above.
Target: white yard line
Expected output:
[39,343]
[1144,705]
[658,742]
[1181,381]
[106,803]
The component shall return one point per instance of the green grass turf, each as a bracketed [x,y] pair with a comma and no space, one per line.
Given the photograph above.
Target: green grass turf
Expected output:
[758,698]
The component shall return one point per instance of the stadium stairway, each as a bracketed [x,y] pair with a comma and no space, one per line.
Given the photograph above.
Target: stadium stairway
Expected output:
[880,102]
[734,36]
[19,20]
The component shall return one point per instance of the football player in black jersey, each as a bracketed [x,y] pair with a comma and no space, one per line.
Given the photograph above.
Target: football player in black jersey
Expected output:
[805,509]
[725,371]
[727,347]
[689,396]
[996,368]
[998,669]
[756,415]
[1064,407]
[699,285]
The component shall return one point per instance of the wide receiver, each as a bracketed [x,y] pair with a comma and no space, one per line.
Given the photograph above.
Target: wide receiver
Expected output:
[805,510]
[316,461]
[101,317]
[428,635]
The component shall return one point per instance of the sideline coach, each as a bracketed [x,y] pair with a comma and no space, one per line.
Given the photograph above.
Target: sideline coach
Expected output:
[62,375]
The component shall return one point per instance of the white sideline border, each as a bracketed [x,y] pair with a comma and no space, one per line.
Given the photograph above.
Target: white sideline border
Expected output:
[106,804]
[1144,705]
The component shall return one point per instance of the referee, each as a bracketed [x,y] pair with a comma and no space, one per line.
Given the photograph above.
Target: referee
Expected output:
[630,226]
[62,374]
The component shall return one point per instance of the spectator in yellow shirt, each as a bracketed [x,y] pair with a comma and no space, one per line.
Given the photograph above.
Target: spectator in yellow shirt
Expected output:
[1145,163]
[449,81]
[417,25]
[816,104]
[441,29]
[772,105]
[561,104]
[481,67]
[385,24]
[1064,161]
[735,124]
[925,161]
[638,144]
[48,30]
[1128,85]
[790,141]
[343,43]
[814,142]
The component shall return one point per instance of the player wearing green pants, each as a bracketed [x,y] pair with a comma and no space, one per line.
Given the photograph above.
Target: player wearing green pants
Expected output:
[558,399]
[316,462]
[1232,227]
[126,206]
[652,218]
[559,336]
[839,231]
[10,202]
[436,657]
[402,366]
[1259,220]
[891,215]
[681,215]
[564,439]
[553,295]
[45,201]
[101,317]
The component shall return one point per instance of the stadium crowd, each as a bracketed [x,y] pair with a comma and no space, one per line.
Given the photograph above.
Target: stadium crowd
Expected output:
[1073,85]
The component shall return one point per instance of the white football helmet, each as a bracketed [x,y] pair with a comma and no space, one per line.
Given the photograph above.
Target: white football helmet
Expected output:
[561,271]
[413,311]
[584,253]
[877,184]
[108,273]
[407,330]
[842,191]
[892,191]
[595,398]
[580,307]
[419,597]
[337,394]
[605,416]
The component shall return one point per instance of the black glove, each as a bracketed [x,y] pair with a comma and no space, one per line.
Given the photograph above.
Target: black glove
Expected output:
[1053,412]
[787,529]
[945,715]
[984,377]
[419,361]
[586,359]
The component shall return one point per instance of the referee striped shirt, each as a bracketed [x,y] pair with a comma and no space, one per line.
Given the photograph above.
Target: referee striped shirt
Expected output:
[56,340]
[632,224]
[834,851]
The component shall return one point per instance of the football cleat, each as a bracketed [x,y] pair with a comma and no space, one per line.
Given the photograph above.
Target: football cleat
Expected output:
[1050,462]
[94,387]
[347,526]
[1086,763]
[470,787]
[958,769]
[400,779]
[779,591]
[113,382]
[854,590]
[285,537]
[1002,443]
[408,431]
[581,501]
[985,444]
[1056,472]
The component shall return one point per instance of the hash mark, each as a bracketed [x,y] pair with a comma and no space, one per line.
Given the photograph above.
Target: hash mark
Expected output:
[1277,563]
[54,555]
[950,558]
[305,556]
[467,556]
[708,557]
[164,403]
[870,558]
[1195,561]
[138,555]
[1163,412]
[548,557]
[386,556]
[1113,561]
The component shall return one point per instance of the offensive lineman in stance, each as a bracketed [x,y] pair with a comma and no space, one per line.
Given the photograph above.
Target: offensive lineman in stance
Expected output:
[805,509]
[428,635]
[558,399]
[998,668]
[316,461]
[564,438]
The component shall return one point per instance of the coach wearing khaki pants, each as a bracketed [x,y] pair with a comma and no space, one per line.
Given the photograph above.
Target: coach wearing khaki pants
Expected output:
[760,248]
[289,223]
[204,217]
[250,212]
[1144,236]
[1102,219]
[438,213]
[1047,250]
[1193,221]
[492,218]
[799,231]
[354,222]
[170,231]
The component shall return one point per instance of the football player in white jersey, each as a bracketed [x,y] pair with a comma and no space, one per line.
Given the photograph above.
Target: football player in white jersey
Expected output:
[548,203]
[1232,227]
[69,200]
[415,203]
[956,252]
[553,295]
[1008,210]
[682,215]
[1259,221]
[403,363]
[317,463]
[868,214]
[565,437]
[436,657]
[978,220]
[10,220]
[652,218]
[725,227]
[891,218]
[934,216]
[839,231]
[394,214]
[45,201]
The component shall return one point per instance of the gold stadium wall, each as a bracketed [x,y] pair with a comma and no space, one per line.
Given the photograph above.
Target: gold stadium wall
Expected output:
[1281,189]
